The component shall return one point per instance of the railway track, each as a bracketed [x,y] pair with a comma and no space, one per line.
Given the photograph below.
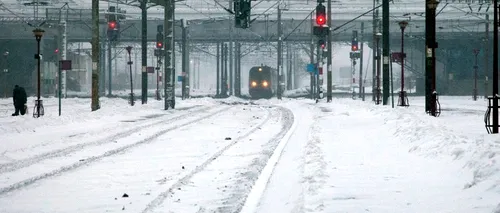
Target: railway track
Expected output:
[19,164]
[15,166]
[236,201]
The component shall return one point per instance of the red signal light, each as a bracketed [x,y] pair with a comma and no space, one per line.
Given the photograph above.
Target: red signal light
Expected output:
[354,47]
[112,25]
[320,20]
[159,45]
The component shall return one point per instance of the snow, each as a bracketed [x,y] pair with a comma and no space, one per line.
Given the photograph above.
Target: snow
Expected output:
[362,157]
[232,155]
[260,185]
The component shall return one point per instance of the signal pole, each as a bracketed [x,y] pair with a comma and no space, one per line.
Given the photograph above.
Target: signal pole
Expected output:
[495,67]
[185,60]
[374,52]
[169,71]
[95,56]
[361,50]
[217,93]
[330,50]
[385,50]
[320,31]
[475,93]
[311,61]
[158,53]
[280,49]
[486,55]
[430,70]
[144,48]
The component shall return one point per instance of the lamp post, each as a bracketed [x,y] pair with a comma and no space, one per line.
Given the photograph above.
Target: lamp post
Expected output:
[129,49]
[38,103]
[402,94]
[474,97]
[430,71]
[378,90]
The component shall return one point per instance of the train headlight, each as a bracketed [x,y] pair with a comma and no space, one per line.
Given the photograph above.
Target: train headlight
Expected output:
[260,69]
[254,84]
[264,84]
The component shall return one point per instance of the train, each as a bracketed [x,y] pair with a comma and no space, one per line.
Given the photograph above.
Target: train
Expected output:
[262,82]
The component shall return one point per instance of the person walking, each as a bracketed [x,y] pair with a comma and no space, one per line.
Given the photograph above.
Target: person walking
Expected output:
[20,98]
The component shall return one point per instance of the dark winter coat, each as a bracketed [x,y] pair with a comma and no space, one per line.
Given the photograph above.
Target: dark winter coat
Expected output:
[20,98]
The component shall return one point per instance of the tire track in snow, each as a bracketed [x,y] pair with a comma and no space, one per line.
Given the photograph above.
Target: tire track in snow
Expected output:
[162,196]
[109,153]
[19,164]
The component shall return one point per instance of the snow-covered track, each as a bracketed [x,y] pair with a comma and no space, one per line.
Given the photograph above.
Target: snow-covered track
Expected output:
[236,202]
[82,162]
[19,164]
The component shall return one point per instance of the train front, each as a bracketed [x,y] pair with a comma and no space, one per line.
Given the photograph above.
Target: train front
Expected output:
[260,82]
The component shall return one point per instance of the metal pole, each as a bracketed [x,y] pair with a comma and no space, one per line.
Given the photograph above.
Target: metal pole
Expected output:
[238,69]
[386,46]
[169,72]
[392,88]
[486,56]
[431,44]
[431,32]
[402,62]
[374,53]
[131,79]
[59,83]
[95,55]
[329,76]
[39,76]
[174,64]
[188,67]
[184,58]
[378,90]
[495,67]
[288,66]
[144,48]
[102,68]
[428,55]
[222,68]
[231,70]
[475,93]
[64,43]
[361,87]
[158,78]
[316,74]
[402,94]
[311,60]
[280,51]
[198,74]
[218,69]
[225,78]
[109,69]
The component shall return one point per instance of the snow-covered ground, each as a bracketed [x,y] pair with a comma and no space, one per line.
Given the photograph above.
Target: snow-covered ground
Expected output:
[232,155]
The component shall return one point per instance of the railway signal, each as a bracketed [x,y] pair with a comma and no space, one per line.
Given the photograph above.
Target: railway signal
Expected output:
[113,25]
[354,43]
[321,30]
[320,14]
[322,43]
[159,37]
[242,9]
